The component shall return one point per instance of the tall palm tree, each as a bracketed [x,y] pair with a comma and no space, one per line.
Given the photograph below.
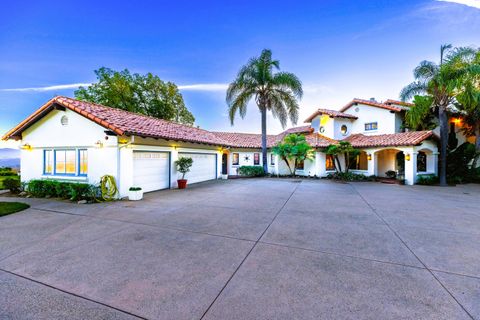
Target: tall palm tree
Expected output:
[273,91]
[440,83]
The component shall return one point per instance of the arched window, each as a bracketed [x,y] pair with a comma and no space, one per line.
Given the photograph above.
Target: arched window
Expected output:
[344,130]
[329,165]
[421,161]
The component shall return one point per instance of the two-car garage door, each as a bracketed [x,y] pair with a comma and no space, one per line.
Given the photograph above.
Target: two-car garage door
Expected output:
[204,166]
[151,170]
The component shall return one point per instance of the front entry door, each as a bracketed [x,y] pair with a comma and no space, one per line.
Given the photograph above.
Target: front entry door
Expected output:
[224,163]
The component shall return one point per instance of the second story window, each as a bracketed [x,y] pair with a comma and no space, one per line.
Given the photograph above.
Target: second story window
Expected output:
[256,159]
[370,126]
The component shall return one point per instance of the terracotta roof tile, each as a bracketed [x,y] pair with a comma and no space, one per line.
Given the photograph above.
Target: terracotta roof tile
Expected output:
[389,140]
[331,113]
[123,122]
[372,104]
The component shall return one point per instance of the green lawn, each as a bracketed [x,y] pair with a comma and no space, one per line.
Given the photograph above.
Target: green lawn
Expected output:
[12,207]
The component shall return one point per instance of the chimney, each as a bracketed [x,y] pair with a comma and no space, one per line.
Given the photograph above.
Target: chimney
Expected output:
[373,100]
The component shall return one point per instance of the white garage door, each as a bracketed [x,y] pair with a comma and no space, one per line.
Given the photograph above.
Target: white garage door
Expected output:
[151,170]
[204,167]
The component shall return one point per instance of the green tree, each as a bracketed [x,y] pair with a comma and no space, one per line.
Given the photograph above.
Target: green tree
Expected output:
[440,83]
[145,94]
[345,149]
[294,147]
[273,91]
[420,117]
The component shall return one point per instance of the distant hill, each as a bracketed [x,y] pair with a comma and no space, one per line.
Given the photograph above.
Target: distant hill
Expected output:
[10,158]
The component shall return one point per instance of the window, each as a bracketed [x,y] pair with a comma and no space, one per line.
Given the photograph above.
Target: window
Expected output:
[300,165]
[256,159]
[371,126]
[421,161]
[83,162]
[344,130]
[235,159]
[48,162]
[65,162]
[360,162]
[329,165]
[272,159]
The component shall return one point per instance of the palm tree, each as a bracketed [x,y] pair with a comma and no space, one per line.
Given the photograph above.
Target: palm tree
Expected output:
[273,91]
[440,83]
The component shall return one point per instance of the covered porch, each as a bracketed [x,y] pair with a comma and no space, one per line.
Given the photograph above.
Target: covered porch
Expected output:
[407,162]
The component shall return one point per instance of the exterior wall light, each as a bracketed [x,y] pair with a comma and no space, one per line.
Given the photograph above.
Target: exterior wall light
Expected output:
[99,144]
[369,156]
[26,146]
[407,157]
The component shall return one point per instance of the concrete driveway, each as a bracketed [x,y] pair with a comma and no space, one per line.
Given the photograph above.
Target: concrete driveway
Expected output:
[248,249]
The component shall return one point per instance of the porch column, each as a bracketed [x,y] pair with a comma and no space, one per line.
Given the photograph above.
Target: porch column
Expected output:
[435,162]
[173,169]
[372,162]
[320,163]
[410,166]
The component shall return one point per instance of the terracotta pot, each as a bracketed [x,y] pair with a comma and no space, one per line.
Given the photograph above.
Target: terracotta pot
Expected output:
[182,183]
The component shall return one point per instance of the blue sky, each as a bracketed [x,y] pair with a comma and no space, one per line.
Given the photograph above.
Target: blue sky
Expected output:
[339,49]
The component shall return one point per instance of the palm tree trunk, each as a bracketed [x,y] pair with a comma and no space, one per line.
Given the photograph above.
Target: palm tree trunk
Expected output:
[443,119]
[263,110]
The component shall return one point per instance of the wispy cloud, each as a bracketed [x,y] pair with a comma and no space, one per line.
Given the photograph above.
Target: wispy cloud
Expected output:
[470,3]
[47,88]
[186,87]
[204,87]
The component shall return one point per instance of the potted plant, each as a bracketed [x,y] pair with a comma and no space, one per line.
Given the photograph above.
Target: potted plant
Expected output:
[183,165]
[135,194]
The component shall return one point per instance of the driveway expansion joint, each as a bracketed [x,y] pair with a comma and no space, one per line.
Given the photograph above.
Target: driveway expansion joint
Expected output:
[411,250]
[73,294]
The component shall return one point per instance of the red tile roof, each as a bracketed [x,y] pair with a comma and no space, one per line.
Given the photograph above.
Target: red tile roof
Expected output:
[389,140]
[122,122]
[400,103]
[331,113]
[372,104]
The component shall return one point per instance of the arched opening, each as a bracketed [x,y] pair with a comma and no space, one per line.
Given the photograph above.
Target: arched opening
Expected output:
[388,161]
[425,161]
[421,161]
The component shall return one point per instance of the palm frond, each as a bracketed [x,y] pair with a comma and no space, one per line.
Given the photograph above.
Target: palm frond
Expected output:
[413,89]
[425,71]
[288,81]
[239,104]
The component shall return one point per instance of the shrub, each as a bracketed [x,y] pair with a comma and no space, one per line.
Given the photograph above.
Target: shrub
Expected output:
[12,184]
[427,179]
[391,174]
[350,176]
[251,171]
[7,173]
[65,190]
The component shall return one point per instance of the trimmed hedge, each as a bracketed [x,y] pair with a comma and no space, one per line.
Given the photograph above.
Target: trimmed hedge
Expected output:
[12,184]
[59,189]
[251,171]
[350,176]
[427,179]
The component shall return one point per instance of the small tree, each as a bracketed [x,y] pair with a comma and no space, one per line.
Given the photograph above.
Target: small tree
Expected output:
[183,165]
[342,148]
[294,148]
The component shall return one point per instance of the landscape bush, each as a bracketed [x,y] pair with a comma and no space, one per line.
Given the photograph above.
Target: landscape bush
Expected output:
[427,179]
[349,176]
[73,191]
[251,171]
[12,184]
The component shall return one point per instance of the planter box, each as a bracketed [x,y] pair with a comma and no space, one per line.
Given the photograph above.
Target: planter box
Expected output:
[135,195]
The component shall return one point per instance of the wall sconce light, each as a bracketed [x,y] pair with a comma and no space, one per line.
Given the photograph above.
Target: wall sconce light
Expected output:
[369,156]
[26,146]
[407,157]
[99,144]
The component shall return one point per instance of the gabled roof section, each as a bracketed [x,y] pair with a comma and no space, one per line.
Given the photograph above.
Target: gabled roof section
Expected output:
[371,103]
[412,138]
[121,122]
[331,113]
[400,104]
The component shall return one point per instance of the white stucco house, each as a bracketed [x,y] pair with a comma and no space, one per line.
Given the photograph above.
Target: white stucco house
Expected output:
[72,140]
